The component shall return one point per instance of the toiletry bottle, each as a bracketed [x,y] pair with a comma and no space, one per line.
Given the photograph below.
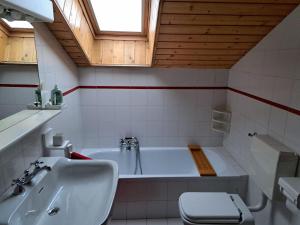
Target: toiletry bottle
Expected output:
[59,96]
[53,96]
[38,96]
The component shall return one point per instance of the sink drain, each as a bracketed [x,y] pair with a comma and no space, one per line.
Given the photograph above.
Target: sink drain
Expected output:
[53,211]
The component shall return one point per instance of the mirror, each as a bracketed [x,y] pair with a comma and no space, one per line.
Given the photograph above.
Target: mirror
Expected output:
[18,70]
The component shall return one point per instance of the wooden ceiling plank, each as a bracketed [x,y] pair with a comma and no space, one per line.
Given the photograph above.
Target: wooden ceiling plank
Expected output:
[63,35]
[227,9]
[72,49]
[176,45]
[210,38]
[188,62]
[200,57]
[68,43]
[194,66]
[57,26]
[201,51]
[242,1]
[188,29]
[184,19]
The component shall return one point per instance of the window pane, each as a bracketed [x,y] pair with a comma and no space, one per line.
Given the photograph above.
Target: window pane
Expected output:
[118,15]
[18,24]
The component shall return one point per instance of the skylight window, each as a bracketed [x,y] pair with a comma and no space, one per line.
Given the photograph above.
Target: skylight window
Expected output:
[18,24]
[118,15]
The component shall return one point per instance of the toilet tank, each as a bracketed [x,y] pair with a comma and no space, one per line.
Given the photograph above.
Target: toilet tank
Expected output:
[271,160]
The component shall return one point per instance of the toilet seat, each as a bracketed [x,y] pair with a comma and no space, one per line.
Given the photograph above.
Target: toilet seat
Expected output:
[210,208]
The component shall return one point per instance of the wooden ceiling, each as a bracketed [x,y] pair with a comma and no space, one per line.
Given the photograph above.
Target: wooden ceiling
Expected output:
[17,46]
[70,32]
[182,33]
[214,33]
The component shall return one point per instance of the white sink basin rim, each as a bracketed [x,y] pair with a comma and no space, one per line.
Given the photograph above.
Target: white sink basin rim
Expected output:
[77,192]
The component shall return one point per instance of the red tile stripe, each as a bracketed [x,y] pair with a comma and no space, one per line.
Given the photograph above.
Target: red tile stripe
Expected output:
[152,87]
[263,100]
[71,90]
[20,85]
[266,101]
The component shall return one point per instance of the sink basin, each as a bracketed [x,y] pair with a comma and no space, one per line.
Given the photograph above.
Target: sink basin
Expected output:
[77,192]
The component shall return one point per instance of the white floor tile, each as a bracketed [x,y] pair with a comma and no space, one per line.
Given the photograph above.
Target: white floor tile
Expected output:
[137,222]
[136,210]
[117,222]
[157,222]
[175,221]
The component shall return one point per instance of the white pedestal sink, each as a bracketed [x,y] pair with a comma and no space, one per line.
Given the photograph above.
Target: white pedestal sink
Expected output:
[74,192]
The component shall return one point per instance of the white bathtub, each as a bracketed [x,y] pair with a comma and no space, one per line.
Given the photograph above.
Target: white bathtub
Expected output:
[156,162]
[168,172]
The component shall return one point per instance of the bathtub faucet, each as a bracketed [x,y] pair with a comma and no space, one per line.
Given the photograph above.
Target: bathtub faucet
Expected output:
[129,143]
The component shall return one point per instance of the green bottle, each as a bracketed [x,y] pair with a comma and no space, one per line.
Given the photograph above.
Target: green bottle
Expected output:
[59,96]
[38,96]
[56,96]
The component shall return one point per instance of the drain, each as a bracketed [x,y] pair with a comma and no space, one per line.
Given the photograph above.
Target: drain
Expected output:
[53,211]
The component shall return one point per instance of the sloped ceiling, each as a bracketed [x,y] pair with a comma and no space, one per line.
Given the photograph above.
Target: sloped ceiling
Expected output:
[214,33]
[185,33]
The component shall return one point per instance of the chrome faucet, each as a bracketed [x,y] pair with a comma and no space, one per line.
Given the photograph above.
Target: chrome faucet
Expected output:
[18,186]
[129,143]
[28,176]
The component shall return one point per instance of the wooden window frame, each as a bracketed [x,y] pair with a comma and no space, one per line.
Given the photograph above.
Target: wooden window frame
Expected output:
[15,30]
[145,25]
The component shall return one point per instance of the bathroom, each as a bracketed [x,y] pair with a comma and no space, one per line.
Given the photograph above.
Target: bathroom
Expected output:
[194,86]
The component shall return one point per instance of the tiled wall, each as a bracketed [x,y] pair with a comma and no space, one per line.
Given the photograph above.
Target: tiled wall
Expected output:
[55,67]
[270,71]
[158,198]
[15,99]
[16,158]
[158,117]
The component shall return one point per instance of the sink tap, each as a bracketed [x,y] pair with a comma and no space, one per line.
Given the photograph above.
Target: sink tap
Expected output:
[37,168]
[28,176]
[129,143]
[19,188]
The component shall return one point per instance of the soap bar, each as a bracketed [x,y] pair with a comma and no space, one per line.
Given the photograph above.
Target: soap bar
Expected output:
[58,139]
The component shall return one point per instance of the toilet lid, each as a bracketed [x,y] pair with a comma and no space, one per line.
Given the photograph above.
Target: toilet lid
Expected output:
[209,207]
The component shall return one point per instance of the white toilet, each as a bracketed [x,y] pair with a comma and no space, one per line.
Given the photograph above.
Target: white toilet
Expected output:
[213,208]
[270,160]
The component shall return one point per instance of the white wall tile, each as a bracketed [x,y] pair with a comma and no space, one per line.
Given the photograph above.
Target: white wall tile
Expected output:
[136,210]
[277,122]
[175,189]
[155,116]
[119,211]
[156,209]
[59,70]
[295,95]
[277,80]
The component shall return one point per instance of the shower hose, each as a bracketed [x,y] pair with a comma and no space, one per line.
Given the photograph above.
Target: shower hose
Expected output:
[138,162]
